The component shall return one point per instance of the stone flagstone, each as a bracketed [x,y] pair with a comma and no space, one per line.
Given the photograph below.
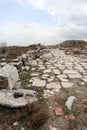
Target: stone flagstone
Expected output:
[75,76]
[47,71]
[61,67]
[66,84]
[53,85]
[63,78]
[50,79]
[56,71]
[45,76]
[39,83]
[69,72]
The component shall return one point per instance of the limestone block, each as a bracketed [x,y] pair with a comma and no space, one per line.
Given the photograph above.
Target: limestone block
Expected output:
[8,77]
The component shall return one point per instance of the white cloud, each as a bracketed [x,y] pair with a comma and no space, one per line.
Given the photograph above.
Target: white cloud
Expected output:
[32,33]
[38,3]
[65,6]
[65,9]
[14,33]
[72,15]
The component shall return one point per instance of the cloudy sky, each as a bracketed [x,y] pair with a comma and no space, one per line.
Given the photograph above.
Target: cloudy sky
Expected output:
[23,22]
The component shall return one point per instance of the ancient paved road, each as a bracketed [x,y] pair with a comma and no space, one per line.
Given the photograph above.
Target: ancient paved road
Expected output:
[55,70]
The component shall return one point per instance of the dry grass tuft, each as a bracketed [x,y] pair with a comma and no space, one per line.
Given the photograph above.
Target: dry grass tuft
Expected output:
[36,113]
[39,115]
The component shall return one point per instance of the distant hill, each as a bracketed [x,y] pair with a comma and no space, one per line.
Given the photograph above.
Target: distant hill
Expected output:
[76,47]
[73,43]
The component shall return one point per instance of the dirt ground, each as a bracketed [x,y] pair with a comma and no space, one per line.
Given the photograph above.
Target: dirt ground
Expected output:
[79,111]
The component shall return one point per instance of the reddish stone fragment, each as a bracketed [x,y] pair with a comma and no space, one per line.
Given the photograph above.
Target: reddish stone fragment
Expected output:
[59,111]
[70,117]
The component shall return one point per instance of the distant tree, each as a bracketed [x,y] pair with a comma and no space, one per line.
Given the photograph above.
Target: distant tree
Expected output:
[3,47]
